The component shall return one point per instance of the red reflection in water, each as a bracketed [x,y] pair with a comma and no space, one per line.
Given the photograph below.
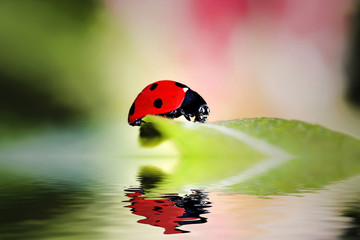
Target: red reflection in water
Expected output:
[168,212]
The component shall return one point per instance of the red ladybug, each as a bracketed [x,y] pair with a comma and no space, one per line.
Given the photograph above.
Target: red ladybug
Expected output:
[169,99]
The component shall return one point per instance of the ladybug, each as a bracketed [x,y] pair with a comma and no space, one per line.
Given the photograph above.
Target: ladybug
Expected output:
[169,99]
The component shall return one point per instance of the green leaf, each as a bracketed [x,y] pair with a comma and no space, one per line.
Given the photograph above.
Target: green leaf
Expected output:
[263,156]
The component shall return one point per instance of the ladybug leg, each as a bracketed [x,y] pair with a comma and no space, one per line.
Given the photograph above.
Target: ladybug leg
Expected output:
[186,115]
[137,122]
[173,114]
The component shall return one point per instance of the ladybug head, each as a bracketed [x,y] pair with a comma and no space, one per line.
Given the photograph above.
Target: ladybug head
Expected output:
[194,106]
[202,114]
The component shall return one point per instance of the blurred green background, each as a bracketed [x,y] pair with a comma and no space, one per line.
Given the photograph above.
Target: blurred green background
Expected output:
[51,64]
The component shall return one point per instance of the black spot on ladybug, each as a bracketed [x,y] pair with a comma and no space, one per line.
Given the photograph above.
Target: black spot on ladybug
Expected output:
[181,85]
[158,103]
[132,109]
[153,86]
[158,209]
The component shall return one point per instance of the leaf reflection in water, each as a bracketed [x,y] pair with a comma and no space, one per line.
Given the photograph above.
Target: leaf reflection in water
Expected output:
[169,211]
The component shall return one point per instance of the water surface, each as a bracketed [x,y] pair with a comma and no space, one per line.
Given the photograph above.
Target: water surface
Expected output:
[114,205]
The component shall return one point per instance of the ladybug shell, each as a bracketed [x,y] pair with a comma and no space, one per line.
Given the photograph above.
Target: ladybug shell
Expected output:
[157,98]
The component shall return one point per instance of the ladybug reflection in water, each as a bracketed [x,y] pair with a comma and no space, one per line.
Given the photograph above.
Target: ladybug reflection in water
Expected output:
[169,99]
[169,212]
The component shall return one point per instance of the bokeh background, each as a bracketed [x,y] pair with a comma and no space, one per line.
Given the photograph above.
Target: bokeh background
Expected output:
[71,62]
[70,70]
